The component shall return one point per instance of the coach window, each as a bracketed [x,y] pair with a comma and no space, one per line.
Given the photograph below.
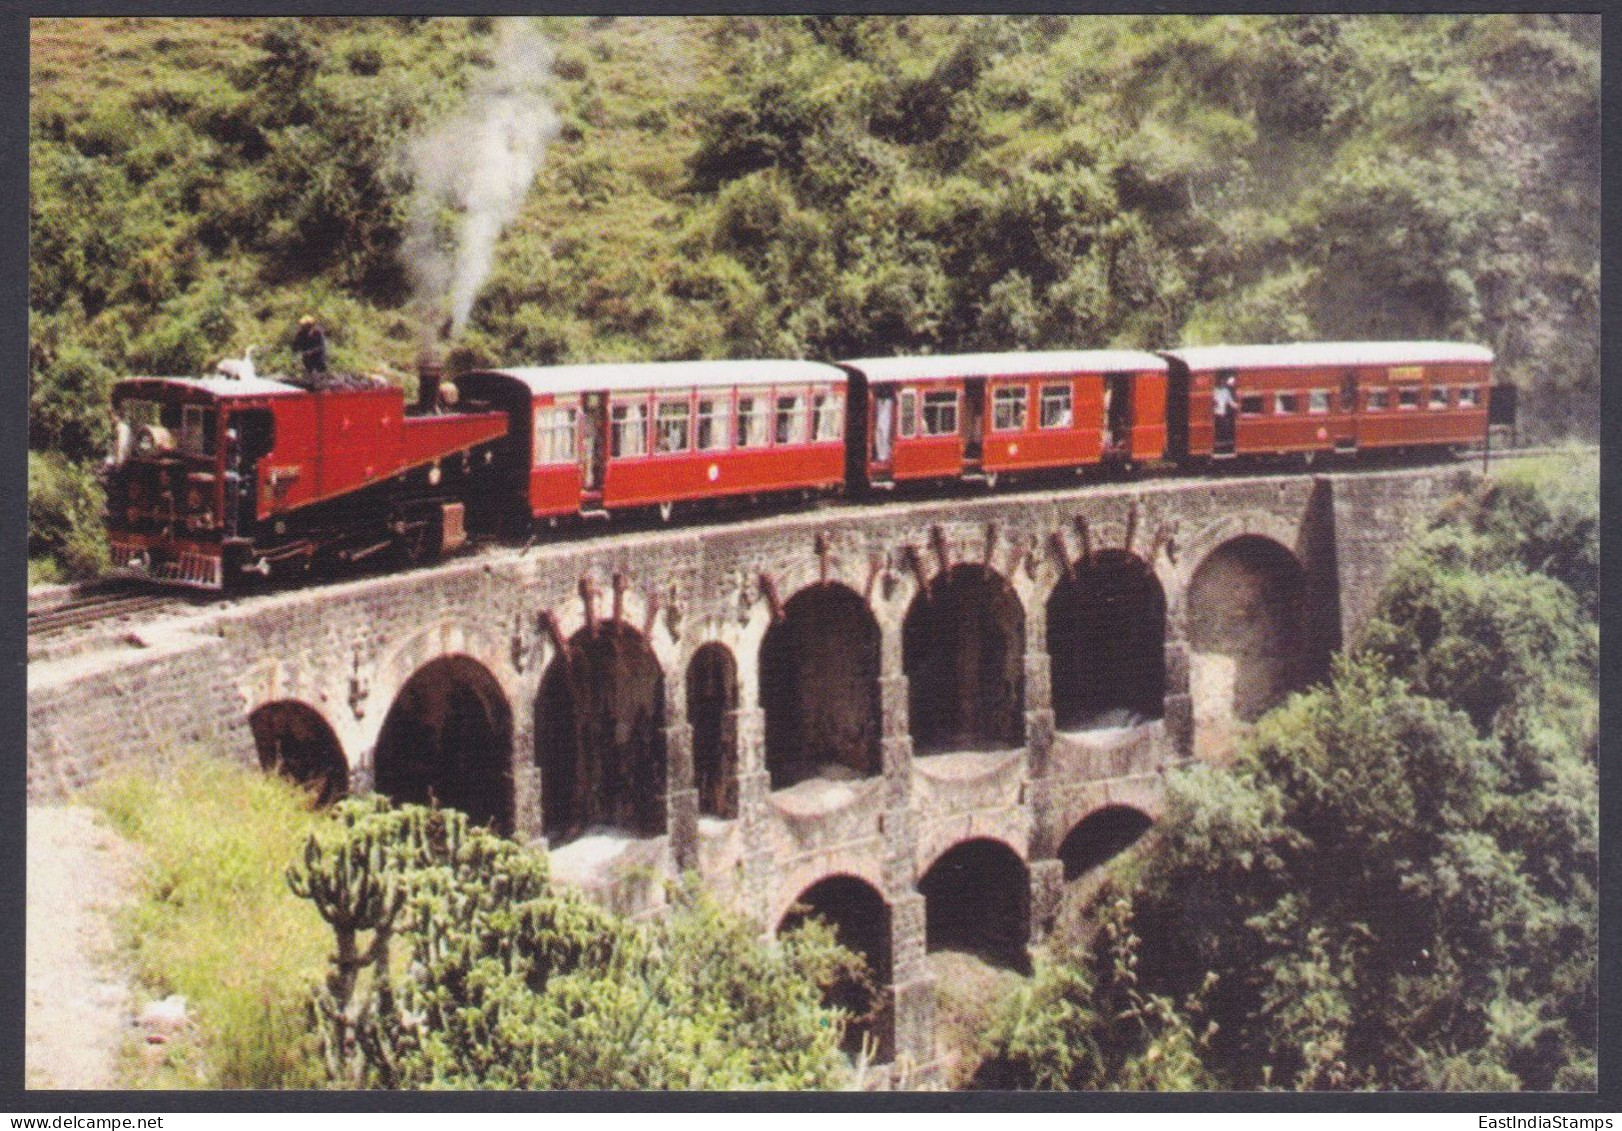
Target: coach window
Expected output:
[1284,403]
[1008,409]
[671,427]
[1438,396]
[1469,396]
[1379,400]
[909,413]
[713,415]
[1252,404]
[791,418]
[630,430]
[1056,406]
[826,408]
[1318,400]
[940,412]
[197,431]
[554,436]
[753,426]
[1408,397]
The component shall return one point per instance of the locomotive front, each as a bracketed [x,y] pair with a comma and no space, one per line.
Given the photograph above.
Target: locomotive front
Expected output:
[179,481]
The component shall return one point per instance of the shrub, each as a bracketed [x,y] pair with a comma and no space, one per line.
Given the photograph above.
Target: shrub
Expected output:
[503,981]
[64,516]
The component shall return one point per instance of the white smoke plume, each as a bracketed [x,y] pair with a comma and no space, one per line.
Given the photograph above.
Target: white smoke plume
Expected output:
[474,169]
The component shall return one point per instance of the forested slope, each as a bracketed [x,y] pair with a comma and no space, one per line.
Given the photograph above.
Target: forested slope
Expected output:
[814,186]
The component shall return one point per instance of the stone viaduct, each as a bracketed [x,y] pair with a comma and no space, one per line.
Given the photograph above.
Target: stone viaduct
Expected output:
[918,717]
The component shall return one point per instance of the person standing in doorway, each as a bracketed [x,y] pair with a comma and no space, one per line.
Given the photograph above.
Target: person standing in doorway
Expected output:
[1225,408]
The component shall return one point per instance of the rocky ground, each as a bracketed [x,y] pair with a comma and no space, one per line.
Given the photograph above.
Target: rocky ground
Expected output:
[79,1002]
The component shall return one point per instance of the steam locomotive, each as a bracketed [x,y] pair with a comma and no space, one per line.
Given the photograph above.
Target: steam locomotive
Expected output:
[216,479]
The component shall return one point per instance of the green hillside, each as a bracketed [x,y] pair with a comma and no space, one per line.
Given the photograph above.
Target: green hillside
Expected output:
[816,186]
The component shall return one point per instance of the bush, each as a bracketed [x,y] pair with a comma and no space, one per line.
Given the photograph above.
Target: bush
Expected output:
[64,516]
[503,981]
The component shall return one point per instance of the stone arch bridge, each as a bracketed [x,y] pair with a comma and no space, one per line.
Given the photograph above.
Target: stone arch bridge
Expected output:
[918,718]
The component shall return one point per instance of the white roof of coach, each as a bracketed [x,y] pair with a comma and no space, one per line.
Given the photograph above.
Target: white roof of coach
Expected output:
[654,375]
[1331,353]
[1005,364]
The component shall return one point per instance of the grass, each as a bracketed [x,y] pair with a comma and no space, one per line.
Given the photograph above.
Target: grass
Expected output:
[215,921]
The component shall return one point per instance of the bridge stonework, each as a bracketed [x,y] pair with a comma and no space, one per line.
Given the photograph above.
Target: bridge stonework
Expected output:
[1251,581]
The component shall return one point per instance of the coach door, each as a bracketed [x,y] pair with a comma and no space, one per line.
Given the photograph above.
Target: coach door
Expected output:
[974,422]
[1346,436]
[1118,414]
[593,444]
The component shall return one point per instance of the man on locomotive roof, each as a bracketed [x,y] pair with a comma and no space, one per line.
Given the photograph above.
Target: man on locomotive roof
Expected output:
[310,343]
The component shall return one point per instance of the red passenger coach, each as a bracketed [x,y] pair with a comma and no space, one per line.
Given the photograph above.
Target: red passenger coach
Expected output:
[981,416]
[590,439]
[1328,397]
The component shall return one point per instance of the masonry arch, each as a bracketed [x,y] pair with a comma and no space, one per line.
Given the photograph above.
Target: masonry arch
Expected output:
[819,687]
[448,740]
[294,740]
[1101,836]
[860,919]
[963,649]
[1245,633]
[1107,643]
[600,735]
[977,898]
[712,713]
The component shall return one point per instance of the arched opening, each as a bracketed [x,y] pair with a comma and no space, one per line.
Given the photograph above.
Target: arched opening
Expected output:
[600,735]
[819,686]
[963,648]
[447,740]
[1107,643]
[1245,606]
[977,898]
[861,923]
[295,741]
[712,713]
[1100,837]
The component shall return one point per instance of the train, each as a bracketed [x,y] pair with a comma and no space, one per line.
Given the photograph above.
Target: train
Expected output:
[220,480]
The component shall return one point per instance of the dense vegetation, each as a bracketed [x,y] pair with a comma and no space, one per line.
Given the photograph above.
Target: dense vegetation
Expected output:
[815,186]
[506,981]
[1395,886]
[484,974]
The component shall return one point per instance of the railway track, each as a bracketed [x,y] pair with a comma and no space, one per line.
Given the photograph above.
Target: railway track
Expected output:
[95,605]
[74,613]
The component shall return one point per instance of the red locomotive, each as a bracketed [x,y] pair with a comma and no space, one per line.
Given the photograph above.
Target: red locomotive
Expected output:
[210,478]
[216,477]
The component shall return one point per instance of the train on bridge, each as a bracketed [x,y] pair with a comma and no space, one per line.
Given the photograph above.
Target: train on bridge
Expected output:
[218,479]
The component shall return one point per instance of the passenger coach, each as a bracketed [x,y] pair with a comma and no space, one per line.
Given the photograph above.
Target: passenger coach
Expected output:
[593,439]
[983,416]
[1329,397]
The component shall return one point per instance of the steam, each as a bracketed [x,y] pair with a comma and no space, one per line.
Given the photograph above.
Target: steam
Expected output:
[473,170]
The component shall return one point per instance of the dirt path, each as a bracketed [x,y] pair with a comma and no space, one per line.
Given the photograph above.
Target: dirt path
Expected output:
[78,1016]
